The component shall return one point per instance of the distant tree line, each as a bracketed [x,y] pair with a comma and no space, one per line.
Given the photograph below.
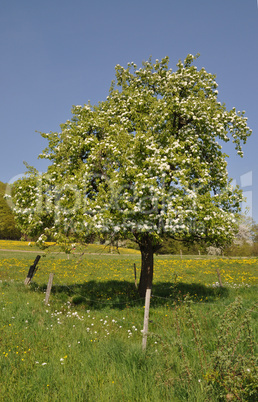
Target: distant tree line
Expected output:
[245,243]
[8,229]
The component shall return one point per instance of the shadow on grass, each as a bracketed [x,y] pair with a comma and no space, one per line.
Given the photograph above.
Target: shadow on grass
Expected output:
[122,294]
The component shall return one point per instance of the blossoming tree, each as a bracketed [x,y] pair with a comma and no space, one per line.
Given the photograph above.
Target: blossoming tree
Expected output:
[146,161]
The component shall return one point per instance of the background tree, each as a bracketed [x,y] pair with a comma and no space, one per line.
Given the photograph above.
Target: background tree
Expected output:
[245,242]
[245,231]
[8,229]
[142,163]
[171,246]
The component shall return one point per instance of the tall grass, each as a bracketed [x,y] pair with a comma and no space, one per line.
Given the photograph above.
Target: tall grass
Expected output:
[86,344]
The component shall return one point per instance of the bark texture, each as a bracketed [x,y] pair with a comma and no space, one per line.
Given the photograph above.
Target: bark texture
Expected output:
[147,253]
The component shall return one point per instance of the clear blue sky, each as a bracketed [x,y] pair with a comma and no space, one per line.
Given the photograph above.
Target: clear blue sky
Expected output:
[59,53]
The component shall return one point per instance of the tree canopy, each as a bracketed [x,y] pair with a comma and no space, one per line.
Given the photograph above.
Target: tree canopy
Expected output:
[145,162]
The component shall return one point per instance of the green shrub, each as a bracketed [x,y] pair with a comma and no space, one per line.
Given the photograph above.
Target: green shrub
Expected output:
[233,368]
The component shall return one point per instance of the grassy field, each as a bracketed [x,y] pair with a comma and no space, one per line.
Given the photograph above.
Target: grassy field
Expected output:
[85,345]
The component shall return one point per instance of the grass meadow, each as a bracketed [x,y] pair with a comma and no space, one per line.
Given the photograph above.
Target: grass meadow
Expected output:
[86,343]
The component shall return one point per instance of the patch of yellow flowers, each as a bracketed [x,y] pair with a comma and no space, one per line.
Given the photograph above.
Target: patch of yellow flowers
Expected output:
[101,267]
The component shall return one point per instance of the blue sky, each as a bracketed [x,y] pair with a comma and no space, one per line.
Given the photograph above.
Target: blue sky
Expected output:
[59,53]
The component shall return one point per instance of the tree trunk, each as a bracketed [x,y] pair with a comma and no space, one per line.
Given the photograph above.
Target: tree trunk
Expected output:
[146,277]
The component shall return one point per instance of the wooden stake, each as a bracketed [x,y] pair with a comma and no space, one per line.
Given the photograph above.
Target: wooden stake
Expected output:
[220,281]
[146,318]
[32,270]
[49,287]
[135,280]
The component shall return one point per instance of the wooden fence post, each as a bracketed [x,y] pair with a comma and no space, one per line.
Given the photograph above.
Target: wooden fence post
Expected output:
[146,319]
[135,279]
[32,270]
[49,287]
[220,281]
